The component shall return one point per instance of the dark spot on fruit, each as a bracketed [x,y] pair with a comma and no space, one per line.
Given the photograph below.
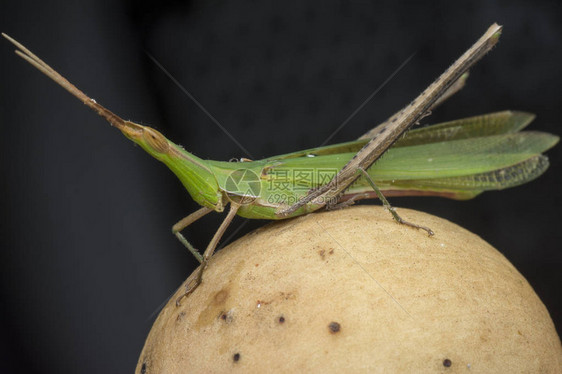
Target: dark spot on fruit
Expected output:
[180,316]
[281,319]
[226,316]
[447,363]
[334,327]
[143,368]
[236,357]
[323,253]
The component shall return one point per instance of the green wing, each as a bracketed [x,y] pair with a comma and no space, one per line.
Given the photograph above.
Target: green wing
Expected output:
[463,167]
[457,159]
[505,122]
[461,157]
[483,125]
[466,186]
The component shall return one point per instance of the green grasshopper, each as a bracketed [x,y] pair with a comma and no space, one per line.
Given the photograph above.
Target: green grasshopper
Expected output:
[458,159]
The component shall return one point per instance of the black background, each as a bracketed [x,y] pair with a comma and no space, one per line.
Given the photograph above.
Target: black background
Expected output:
[87,254]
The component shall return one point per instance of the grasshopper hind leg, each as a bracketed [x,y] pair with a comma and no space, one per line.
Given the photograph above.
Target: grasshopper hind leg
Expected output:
[346,203]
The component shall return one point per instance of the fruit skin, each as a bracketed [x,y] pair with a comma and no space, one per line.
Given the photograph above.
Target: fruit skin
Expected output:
[353,291]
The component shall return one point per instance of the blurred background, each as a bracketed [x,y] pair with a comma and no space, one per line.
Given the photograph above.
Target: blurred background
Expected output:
[87,255]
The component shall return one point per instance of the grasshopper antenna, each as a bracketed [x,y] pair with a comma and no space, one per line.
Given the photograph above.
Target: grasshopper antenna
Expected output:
[40,65]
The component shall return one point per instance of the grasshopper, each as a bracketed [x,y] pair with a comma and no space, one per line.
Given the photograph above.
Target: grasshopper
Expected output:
[458,159]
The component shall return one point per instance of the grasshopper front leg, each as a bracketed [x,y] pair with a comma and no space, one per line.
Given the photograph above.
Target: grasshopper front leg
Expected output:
[186,221]
[196,280]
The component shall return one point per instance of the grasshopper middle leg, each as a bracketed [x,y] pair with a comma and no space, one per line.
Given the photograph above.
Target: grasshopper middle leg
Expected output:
[389,207]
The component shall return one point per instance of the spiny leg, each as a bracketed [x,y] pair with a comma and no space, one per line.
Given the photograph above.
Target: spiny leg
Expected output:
[346,203]
[183,223]
[389,207]
[455,87]
[192,285]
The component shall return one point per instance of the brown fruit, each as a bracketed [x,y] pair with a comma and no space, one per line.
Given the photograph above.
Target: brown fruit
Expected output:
[353,291]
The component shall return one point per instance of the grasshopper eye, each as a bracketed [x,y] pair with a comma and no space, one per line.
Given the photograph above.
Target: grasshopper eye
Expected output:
[155,140]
